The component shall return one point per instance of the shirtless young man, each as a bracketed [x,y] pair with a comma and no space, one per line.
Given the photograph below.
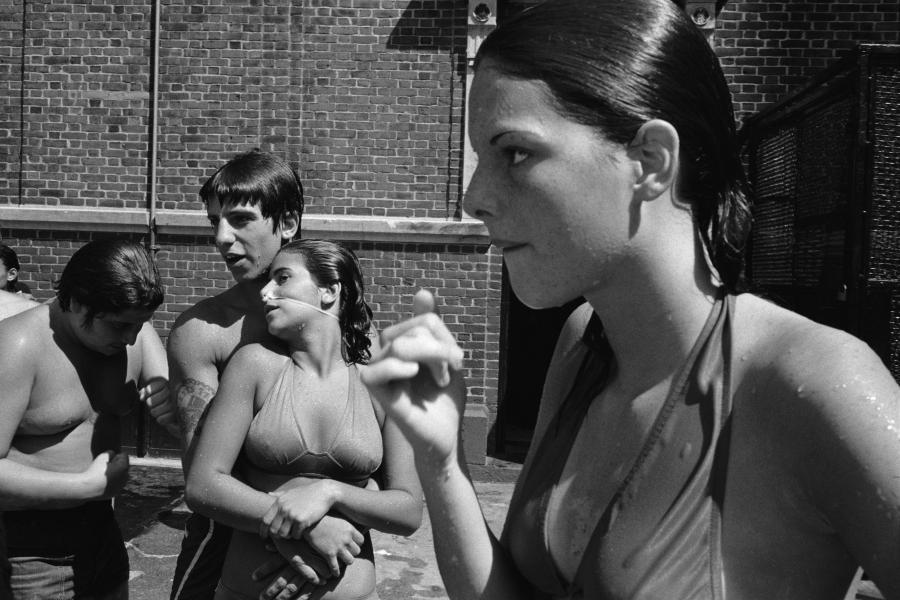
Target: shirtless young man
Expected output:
[66,383]
[254,203]
[146,364]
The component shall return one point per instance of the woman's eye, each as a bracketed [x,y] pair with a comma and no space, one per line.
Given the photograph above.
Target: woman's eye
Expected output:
[517,155]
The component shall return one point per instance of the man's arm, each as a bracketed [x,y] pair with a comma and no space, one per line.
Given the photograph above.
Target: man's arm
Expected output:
[193,378]
[148,367]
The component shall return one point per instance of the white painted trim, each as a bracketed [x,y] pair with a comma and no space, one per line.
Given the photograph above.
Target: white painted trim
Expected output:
[185,222]
[74,218]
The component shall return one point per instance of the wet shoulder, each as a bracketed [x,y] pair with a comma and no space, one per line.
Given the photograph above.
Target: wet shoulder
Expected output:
[259,362]
[26,332]
[806,374]
[258,355]
[792,350]
[13,304]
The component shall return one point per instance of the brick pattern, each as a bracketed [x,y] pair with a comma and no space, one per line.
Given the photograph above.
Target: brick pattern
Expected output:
[74,130]
[769,49]
[464,278]
[363,97]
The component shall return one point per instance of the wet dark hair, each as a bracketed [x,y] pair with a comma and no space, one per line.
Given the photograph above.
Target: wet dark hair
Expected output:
[257,178]
[329,263]
[616,65]
[110,276]
[10,260]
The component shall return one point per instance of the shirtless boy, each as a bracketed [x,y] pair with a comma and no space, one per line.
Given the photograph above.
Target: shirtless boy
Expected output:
[254,203]
[66,384]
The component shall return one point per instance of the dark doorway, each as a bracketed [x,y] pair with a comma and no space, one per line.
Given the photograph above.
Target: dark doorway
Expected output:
[527,341]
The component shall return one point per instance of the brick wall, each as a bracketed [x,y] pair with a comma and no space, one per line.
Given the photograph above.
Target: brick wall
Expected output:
[769,49]
[78,136]
[363,97]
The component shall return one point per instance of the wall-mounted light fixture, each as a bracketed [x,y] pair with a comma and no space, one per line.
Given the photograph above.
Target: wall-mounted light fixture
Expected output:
[703,14]
[482,12]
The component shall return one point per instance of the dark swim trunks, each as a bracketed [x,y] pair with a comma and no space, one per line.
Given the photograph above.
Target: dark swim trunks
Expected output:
[84,542]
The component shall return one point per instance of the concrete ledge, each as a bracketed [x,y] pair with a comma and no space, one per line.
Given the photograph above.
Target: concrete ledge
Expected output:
[74,218]
[350,228]
[176,222]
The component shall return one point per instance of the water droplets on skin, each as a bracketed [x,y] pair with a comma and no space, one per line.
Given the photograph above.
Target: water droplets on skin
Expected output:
[891,425]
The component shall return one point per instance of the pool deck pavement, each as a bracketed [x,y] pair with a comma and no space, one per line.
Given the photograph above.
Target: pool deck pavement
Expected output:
[152,513]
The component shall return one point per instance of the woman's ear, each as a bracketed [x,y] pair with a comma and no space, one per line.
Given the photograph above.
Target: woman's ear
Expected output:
[331,293]
[11,274]
[290,225]
[655,147]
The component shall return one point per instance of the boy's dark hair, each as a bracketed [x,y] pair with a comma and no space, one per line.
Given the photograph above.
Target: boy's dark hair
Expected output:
[257,178]
[110,276]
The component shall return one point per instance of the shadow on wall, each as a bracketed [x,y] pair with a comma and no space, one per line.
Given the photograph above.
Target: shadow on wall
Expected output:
[435,25]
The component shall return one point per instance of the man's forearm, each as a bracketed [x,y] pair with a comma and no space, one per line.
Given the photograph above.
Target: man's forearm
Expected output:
[192,398]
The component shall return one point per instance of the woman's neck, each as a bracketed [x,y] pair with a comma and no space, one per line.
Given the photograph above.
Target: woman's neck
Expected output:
[653,318]
[317,348]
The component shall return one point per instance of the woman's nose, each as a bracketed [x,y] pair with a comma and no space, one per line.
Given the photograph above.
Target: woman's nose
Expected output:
[264,293]
[480,200]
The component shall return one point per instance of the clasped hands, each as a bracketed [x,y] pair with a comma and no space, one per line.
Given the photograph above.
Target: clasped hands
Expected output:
[312,546]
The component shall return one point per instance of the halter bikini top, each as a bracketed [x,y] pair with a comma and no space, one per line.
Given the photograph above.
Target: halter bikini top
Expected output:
[275,440]
[659,536]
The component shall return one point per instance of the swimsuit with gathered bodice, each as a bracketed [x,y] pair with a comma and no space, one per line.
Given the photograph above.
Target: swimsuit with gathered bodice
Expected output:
[659,536]
[279,442]
[276,442]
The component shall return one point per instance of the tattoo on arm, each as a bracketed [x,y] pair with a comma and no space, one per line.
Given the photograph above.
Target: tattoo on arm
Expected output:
[192,398]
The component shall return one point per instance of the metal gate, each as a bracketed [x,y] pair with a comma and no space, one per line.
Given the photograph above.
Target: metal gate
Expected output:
[825,168]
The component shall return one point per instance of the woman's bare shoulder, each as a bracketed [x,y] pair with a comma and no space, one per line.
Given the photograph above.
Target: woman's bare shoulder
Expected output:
[256,355]
[789,346]
[806,370]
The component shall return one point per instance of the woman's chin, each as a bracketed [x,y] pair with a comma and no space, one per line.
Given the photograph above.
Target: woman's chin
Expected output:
[537,298]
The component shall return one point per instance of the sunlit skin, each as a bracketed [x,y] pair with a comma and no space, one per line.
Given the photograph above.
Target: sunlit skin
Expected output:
[813,482]
[301,313]
[244,238]
[292,281]
[66,385]
[528,157]
[11,304]
[207,335]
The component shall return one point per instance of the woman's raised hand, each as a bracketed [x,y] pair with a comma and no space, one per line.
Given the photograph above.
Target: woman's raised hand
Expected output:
[416,377]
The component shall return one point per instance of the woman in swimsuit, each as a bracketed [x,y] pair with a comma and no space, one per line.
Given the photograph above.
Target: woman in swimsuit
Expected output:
[693,442]
[306,438]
